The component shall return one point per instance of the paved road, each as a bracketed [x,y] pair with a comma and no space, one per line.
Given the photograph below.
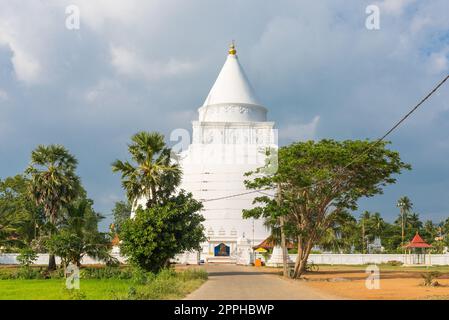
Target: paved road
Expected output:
[231,282]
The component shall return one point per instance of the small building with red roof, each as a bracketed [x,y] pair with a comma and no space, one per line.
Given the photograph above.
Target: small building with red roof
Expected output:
[415,251]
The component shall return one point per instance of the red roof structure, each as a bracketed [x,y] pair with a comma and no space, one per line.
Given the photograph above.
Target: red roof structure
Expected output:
[417,242]
[268,243]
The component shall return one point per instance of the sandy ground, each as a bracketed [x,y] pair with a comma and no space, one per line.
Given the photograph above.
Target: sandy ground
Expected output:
[394,284]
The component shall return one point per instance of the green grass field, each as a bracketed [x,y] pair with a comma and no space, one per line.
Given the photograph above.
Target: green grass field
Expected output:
[168,285]
[54,289]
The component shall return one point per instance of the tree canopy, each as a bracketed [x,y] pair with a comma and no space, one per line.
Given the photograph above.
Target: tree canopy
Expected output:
[317,181]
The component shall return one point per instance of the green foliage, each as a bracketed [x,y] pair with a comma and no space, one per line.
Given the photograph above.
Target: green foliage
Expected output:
[26,257]
[121,212]
[79,235]
[166,284]
[20,218]
[106,273]
[158,233]
[53,183]
[317,181]
[152,174]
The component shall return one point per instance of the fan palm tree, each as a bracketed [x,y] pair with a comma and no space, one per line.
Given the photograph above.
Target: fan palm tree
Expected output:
[53,183]
[154,174]
[405,206]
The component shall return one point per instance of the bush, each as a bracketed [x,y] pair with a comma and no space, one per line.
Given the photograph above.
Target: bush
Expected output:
[429,278]
[166,284]
[30,273]
[105,273]
[158,233]
[26,257]
[393,263]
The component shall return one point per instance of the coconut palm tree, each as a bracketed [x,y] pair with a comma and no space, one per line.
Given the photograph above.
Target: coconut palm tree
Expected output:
[405,206]
[53,183]
[364,223]
[154,174]
[378,224]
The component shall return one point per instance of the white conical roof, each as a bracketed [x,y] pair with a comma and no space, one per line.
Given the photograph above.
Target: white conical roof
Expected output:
[232,85]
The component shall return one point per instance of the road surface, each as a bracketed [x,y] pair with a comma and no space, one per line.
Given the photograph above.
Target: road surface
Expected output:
[232,282]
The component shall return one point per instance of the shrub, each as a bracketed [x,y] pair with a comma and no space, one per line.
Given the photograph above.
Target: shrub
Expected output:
[429,278]
[158,233]
[26,257]
[105,273]
[393,263]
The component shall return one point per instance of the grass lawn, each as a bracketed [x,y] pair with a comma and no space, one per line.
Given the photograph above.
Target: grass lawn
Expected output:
[54,289]
[166,285]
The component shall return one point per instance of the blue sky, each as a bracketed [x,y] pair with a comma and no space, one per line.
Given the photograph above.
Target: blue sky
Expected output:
[148,65]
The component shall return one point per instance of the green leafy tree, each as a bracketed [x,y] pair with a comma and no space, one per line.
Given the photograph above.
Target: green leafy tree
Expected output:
[121,212]
[18,212]
[152,174]
[319,180]
[341,235]
[391,238]
[27,256]
[53,183]
[79,235]
[156,234]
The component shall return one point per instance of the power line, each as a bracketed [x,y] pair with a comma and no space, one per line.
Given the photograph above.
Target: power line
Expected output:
[379,140]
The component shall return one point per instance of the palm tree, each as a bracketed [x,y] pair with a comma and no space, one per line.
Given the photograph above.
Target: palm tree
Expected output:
[378,224]
[154,175]
[414,223]
[53,183]
[405,206]
[364,220]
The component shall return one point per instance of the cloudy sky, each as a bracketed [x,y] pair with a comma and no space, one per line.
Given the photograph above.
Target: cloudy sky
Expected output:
[148,65]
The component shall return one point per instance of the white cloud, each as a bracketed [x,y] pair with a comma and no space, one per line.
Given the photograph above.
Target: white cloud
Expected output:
[299,131]
[128,62]
[394,7]
[26,66]
[438,61]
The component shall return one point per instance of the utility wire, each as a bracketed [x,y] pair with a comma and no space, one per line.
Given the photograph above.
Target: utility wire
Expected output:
[379,140]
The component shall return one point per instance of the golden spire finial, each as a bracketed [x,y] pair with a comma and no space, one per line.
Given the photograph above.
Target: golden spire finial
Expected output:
[232,48]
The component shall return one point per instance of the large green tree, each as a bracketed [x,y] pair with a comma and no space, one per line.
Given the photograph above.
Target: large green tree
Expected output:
[79,235]
[170,223]
[20,218]
[53,183]
[319,180]
[121,212]
[152,174]
[156,234]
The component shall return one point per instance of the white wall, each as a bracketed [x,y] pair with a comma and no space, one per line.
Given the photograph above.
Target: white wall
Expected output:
[42,259]
[348,259]
[435,259]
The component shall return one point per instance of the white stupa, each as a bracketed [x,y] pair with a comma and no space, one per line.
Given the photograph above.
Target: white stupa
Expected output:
[229,139]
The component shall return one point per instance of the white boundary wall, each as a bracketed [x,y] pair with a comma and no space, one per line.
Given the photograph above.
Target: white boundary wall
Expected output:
[325,258]
[330,258]
[42,259]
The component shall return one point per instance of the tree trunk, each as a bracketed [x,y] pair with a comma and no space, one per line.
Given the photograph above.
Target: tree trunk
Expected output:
[51,263]
[301,258]
[284,249]
[283,241]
